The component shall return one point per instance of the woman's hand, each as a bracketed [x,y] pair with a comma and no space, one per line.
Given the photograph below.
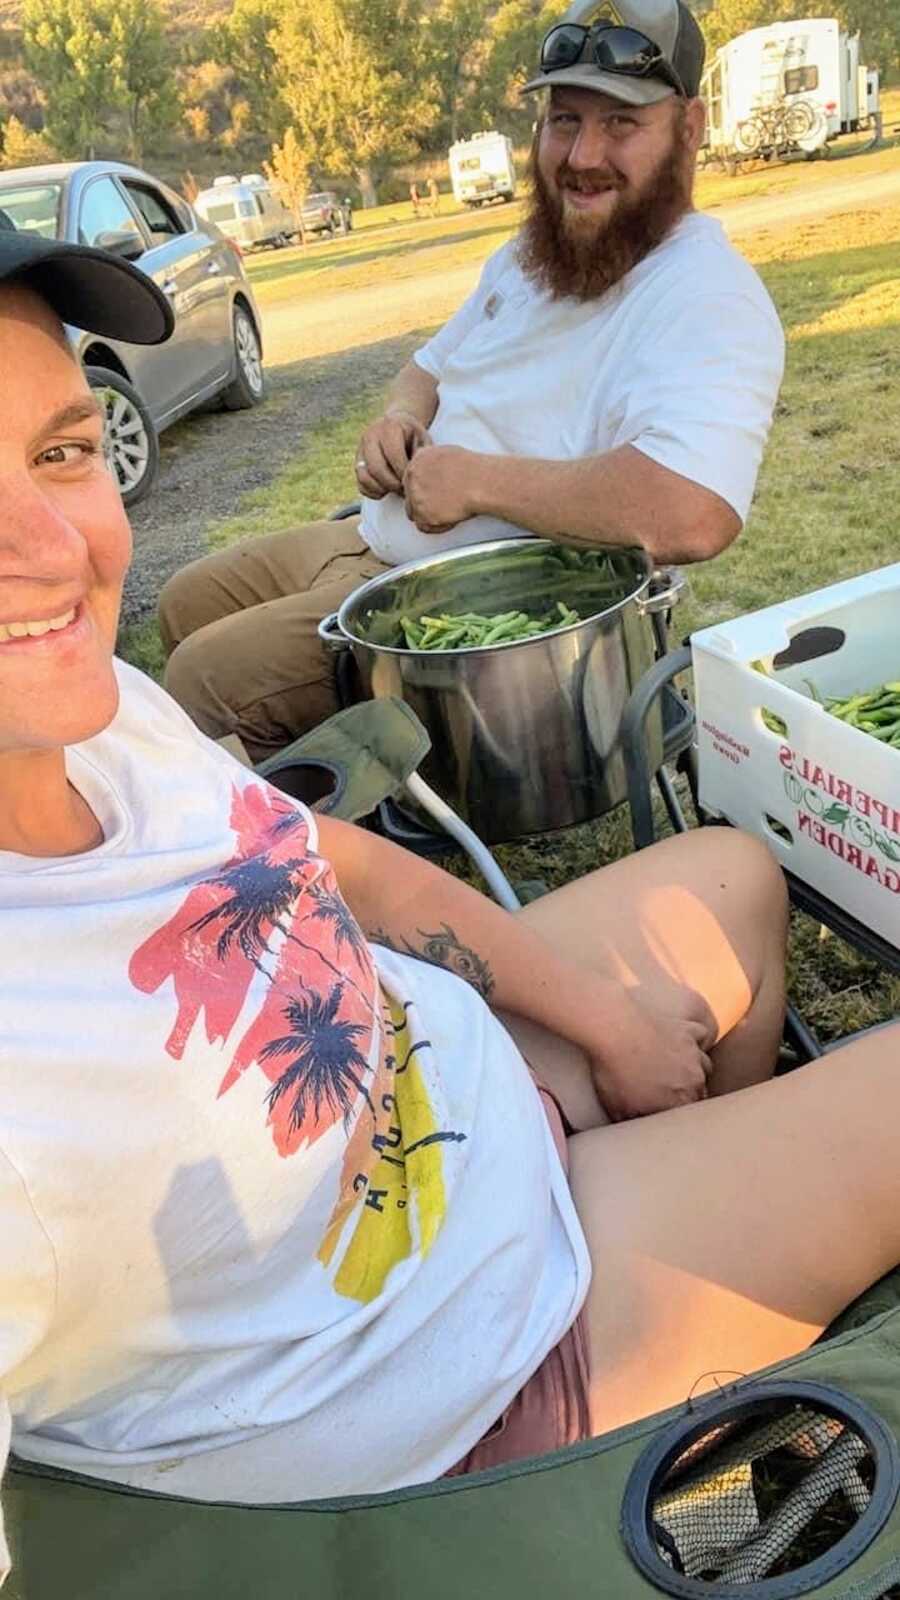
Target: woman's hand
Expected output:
[640,1059]
[654,1061]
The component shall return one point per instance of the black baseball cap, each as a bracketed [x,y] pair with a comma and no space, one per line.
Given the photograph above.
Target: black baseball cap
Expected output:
[90,289]
[670,24]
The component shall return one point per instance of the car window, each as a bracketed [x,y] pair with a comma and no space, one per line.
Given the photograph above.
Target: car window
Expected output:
[160,217]
[106,220]
[33,207]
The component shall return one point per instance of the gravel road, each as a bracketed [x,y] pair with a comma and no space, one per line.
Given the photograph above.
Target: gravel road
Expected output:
[211,460]
[319,354]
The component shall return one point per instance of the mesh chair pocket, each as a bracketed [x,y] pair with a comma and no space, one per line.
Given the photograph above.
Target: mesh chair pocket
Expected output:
[768,1492]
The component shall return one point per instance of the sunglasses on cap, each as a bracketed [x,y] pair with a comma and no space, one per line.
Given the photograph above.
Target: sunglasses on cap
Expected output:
[612,49]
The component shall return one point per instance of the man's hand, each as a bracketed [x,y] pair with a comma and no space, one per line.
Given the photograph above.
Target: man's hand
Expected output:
[438,487]
[385,452]
[656,1062]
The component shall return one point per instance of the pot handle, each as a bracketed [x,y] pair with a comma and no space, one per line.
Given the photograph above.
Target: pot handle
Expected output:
[330,634]
[673,583]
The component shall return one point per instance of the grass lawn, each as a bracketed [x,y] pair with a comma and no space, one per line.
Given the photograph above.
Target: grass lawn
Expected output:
[826,505]
[388,242]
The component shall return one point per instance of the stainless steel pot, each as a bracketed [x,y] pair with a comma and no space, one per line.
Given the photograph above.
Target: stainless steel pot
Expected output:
[525,737]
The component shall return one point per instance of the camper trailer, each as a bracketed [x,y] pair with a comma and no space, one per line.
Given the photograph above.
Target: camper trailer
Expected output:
[482,168]
[247,210]
[790,86]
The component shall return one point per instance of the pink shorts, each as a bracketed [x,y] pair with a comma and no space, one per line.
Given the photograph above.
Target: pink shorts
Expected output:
[553,1408]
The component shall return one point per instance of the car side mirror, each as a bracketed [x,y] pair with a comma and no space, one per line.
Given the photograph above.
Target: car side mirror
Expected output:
[121,242]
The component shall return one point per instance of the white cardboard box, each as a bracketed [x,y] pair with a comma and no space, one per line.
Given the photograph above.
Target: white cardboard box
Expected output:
[825,797]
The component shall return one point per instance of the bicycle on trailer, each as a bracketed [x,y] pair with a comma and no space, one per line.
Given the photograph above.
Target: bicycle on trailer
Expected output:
[775,129]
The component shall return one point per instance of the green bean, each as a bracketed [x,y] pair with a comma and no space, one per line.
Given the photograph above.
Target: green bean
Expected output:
[875,712]
[872,711]
[470,630]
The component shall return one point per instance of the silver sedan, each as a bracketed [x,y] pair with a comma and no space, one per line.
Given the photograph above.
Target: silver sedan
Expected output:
[216,348]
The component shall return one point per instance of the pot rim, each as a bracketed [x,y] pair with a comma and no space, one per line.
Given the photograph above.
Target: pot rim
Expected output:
[372,585]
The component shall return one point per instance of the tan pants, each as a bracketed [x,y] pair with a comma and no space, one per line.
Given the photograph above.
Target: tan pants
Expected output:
[240,626]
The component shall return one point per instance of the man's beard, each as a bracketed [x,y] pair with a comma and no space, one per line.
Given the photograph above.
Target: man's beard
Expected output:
[579,257]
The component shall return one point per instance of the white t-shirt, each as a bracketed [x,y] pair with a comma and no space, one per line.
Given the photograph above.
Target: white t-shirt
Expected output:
[682,359]
[252,1196]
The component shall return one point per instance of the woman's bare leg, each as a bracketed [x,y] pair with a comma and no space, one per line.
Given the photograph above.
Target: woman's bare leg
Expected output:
[706,911]
[726,1235]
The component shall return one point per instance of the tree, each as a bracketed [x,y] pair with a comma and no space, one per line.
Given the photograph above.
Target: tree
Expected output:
[19,97]
[98,61]
[143,70]
[22,147]
[514,38]
[216,109]
[353,76]
[239,124]
[458,42]
[69,49]
[288,173]
[244,43]
[196,119]
[877,20]
[727,18]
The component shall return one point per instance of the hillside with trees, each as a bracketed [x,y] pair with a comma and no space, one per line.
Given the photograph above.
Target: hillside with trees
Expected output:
[197,88]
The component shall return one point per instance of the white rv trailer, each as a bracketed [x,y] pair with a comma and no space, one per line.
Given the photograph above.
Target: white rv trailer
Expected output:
[792,85]
[482,168]
[247,210]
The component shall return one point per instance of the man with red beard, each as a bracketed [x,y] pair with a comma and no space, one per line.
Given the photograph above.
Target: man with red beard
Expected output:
[610,381]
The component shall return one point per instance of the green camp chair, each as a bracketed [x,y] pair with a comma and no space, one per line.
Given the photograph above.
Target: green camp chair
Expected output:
[775,1486]
[365,755]
[781,1485]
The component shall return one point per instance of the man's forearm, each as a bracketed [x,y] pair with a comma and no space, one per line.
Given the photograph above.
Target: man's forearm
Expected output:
[621,497]
[413,393]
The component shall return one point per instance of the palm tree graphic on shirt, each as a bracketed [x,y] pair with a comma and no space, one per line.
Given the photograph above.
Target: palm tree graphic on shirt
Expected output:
[324,1069]
[260,894]
[330,908]
[266,959]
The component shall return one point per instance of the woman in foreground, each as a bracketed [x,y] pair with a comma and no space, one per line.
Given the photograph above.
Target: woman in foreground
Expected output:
[284,1213]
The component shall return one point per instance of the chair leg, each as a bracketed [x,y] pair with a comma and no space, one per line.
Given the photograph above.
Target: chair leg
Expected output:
[446,817]
[671,801]
[801,1037]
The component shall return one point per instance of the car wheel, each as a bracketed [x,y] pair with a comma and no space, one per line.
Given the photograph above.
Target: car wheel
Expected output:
[131,437]
[248,385]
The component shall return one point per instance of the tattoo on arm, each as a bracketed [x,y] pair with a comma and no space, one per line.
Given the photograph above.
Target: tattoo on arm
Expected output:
[443,948]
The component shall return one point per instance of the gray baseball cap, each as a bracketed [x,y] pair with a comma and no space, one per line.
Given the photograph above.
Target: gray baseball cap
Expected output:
[668,23]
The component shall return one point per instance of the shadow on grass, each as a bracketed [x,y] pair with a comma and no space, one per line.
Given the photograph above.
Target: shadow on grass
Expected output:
[302,265]
[889,141]
[755,167]
[848,152]
[803,289]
